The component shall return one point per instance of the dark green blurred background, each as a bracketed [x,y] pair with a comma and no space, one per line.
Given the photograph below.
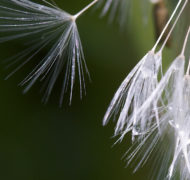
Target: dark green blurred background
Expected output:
[45,142]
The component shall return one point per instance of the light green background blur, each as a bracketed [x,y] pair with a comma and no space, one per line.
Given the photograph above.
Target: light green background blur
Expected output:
[45,142]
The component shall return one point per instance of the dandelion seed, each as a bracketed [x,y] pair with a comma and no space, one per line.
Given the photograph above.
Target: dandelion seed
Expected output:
[138,86]
[176,113]
[180,112]
[135,90]
[148,112]
[170,92]
[153,109]
[47,25]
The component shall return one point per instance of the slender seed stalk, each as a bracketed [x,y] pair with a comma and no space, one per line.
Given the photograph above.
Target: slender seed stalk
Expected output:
[185,42]
[83,10]
[173,26]
[165,28]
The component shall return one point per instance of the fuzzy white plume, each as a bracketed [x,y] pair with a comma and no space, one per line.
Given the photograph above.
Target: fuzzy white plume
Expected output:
[173,122]
[41,26]
[133,92]
[147,115]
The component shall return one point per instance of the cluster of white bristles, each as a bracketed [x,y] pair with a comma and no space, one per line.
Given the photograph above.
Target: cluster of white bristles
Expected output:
[147,106]
[45,25]
[150,107]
